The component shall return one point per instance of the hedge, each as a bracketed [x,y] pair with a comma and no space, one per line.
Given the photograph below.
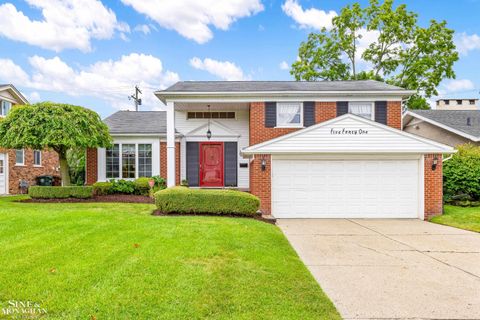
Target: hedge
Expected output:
[102,188]
[79,192]
[461,174]
[142,186]
[182,200]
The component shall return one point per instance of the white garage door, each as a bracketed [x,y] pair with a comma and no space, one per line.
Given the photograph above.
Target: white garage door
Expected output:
[345,188]
[3,174]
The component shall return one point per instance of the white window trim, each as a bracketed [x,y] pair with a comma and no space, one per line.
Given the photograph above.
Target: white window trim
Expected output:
[34,164]
[20,164]
[291,125]
[364,102]
[120,160]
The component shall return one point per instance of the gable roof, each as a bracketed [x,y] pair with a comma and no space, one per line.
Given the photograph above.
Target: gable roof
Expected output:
[18,95]
[455,121]
[343,135]
[137,122]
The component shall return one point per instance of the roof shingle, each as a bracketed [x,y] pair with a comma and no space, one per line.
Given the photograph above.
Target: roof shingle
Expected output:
[140,122]
[456,119]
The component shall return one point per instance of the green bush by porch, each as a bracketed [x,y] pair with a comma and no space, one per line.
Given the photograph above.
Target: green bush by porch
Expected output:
[78,192]
[204,201]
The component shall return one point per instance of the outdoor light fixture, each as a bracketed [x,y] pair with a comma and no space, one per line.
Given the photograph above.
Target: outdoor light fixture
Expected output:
[264,164]
[209,133]
[434,163]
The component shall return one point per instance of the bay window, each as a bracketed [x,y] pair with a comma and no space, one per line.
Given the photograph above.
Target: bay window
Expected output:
[289,114]
[362,109]
[128,161]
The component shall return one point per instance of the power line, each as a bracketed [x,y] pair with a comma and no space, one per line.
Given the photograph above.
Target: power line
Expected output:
[136,100]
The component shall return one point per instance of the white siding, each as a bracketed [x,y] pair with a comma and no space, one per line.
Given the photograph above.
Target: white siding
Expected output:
[364,137]
[238,131]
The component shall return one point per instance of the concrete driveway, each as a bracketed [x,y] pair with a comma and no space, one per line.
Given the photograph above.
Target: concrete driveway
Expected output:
[391,269]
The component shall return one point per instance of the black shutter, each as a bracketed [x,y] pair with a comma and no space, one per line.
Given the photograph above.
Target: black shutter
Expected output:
[308,113]
[231,163]
[381,112]
[342,108]
[193,158]
[270,114]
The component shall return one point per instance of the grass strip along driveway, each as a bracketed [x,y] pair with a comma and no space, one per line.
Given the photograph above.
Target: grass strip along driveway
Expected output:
[467,218]
[111,260]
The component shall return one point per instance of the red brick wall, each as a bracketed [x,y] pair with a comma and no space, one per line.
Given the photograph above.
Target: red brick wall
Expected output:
[260,182]
[433,187]
[325,111]
[50,166]
[163,161]
[91,166]
[394,114]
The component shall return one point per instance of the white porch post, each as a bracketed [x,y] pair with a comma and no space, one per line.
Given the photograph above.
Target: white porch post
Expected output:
[170,144]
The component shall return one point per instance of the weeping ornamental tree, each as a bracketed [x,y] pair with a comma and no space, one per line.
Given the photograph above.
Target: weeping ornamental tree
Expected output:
[55,126]
[399,52]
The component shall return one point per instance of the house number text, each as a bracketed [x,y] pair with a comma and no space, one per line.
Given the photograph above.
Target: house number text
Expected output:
[345,131]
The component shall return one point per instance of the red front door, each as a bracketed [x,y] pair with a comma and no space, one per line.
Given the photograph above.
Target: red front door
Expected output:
[211,164]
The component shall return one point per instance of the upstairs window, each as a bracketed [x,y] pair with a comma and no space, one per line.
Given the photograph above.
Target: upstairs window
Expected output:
[37,158]
[447,102]
[289,114]
[211,115]
[459,102]
[362,109]
[5,106]
[20,157]
[472,102]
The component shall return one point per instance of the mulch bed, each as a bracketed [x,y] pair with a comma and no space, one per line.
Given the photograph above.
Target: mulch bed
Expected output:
[123,198]
[256,217]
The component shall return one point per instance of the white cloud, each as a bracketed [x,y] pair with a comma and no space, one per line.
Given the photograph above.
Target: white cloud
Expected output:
[33,97]
[64,24]
[12,73]
[225,70]
[466,43]
[457,85]
[309,18]
[284,65]
[142,28]
[111,81]
[192,18]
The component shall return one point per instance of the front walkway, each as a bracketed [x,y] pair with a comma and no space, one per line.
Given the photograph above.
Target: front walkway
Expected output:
[384,269]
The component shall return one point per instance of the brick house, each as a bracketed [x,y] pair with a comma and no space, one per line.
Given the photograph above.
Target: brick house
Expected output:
[21,165]
[306,149]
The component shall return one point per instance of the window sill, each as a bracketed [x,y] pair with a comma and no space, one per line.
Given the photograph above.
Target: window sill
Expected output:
[19,165]
[37,166]
[289,127]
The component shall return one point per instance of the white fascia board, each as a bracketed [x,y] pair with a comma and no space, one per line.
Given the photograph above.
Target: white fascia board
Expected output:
[350,152]
[17,93]
[443,126]
[255,96]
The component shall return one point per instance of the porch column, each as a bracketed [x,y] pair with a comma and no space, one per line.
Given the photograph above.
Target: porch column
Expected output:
[170,144]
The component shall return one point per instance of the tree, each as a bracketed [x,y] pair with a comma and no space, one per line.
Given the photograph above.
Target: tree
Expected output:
[59,127]
[402,53]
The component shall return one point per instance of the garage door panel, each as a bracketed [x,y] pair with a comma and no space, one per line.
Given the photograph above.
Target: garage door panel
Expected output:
[345,188]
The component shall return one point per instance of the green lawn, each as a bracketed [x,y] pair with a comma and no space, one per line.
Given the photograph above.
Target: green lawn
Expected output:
[460,217]
[116,261]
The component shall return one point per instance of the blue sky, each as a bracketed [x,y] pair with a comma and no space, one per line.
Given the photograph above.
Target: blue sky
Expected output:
[92,53]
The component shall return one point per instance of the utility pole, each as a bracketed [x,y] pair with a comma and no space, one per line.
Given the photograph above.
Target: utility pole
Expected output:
[136,100]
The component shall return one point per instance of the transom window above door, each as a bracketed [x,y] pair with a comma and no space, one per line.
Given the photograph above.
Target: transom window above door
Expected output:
[211,115]
[362,109]
[289,114]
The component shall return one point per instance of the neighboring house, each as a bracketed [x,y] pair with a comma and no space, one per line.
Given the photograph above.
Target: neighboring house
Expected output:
[23,165]
[444,126]
[306,149]
[457,104]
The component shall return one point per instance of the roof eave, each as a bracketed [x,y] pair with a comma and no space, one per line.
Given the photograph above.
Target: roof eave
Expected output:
[173,95]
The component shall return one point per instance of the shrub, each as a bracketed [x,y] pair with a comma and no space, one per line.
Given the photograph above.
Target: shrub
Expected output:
[123,186]
[184,183]
[142,186]
[192,201]
[160,182]
[79,192]
[461,174]
[102,188]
